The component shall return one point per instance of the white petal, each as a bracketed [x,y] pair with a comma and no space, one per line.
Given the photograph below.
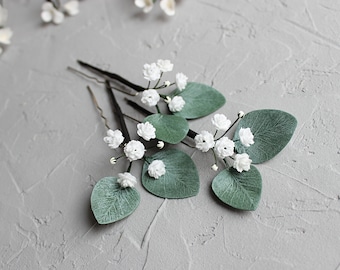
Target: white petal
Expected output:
[168,6]
[72,7]
[58,17]
[46,16]
[5,35]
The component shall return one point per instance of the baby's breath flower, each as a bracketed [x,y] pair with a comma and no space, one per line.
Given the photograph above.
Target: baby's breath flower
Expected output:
[221,122]
[242,162]
[150,97]
[5,35]
[134,150]
[246,136]
[160,145]
[167,83]
[156,169]
[240,114]
[114,138]
[204,141]
[151,72]
[176,104]
[146,5]
[146,130]
[113,160]
[165,65]
[224,147]
[214,167]
[72,7]
[51,14]
[181,81]
[168,6]
[126,180]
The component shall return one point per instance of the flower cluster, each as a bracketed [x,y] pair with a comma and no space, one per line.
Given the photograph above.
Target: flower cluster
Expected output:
[223,147]
[154,72]
[168,6]
[5,32]
[53,11]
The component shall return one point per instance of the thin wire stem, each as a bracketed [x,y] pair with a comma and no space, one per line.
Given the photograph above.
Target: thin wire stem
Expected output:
[98,108]
[238,118]
[99,81]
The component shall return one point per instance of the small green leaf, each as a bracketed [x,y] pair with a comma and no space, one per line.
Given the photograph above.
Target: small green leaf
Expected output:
[180,180]
[239,190]
[110,202]
[169,128]
[272,131]
[200,100]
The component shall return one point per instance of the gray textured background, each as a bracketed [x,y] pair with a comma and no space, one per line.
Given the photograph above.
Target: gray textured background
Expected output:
[281,54]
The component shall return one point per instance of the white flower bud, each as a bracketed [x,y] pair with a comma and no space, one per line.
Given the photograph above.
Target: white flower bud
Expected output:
[165,65]
[156,169]
[151,72]
[150,97]
[146,131]
[176,104]
[126,180]
[113,160]
[214,167]
[160,144]
[242,162]
[167,83]
[224,147]
[240,114]
[114,138]
[221,122]
[181,81]
[134,150]
[204,141]
[246,136]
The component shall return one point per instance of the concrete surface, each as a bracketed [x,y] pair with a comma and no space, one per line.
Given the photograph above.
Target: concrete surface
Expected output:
[281,54]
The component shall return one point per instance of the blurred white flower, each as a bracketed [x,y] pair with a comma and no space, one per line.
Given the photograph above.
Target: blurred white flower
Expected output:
[176,104]
[165,65]
[181,81]
[160,145]
[240,114]
[151,72]
[146,130]
[114,138]
[242,162]
[168,6]
[5,35]
[246,136]
[72,7]
[134,150]
[156,169]
[51,14]
[3,16]
[167,83]
[126,180]
[221,122]
[204,141]
[113,160]
[150,97]
[146,5]
[224,147]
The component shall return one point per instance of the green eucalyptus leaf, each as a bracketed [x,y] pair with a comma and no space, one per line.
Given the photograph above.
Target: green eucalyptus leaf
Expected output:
[239,190]
[169,128]
[110,202]
[272,131]
[200,100]
[180,180]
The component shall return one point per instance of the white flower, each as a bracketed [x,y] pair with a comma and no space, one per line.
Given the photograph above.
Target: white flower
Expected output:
[5,35]
[151,72]
[242,162]
[240,114]
[246,136]
[156,169]
[165,65]
[114,138]
[204,141]
[150,97]
[181,81]
[3,16]
[146,5]
[221,122]
[51,14]
[214,167]
[160,144]
[134,150]
[176,104]
[224,147]
[168,6]
[113,160]
[72,7]
[126,180]
[167,100]
[146,130]
[167,83]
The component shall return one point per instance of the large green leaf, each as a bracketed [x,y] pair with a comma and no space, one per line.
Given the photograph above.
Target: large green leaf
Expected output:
[272,131]
[110,202]
[239,190]
[180,180]
[169,128]
[200,100]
